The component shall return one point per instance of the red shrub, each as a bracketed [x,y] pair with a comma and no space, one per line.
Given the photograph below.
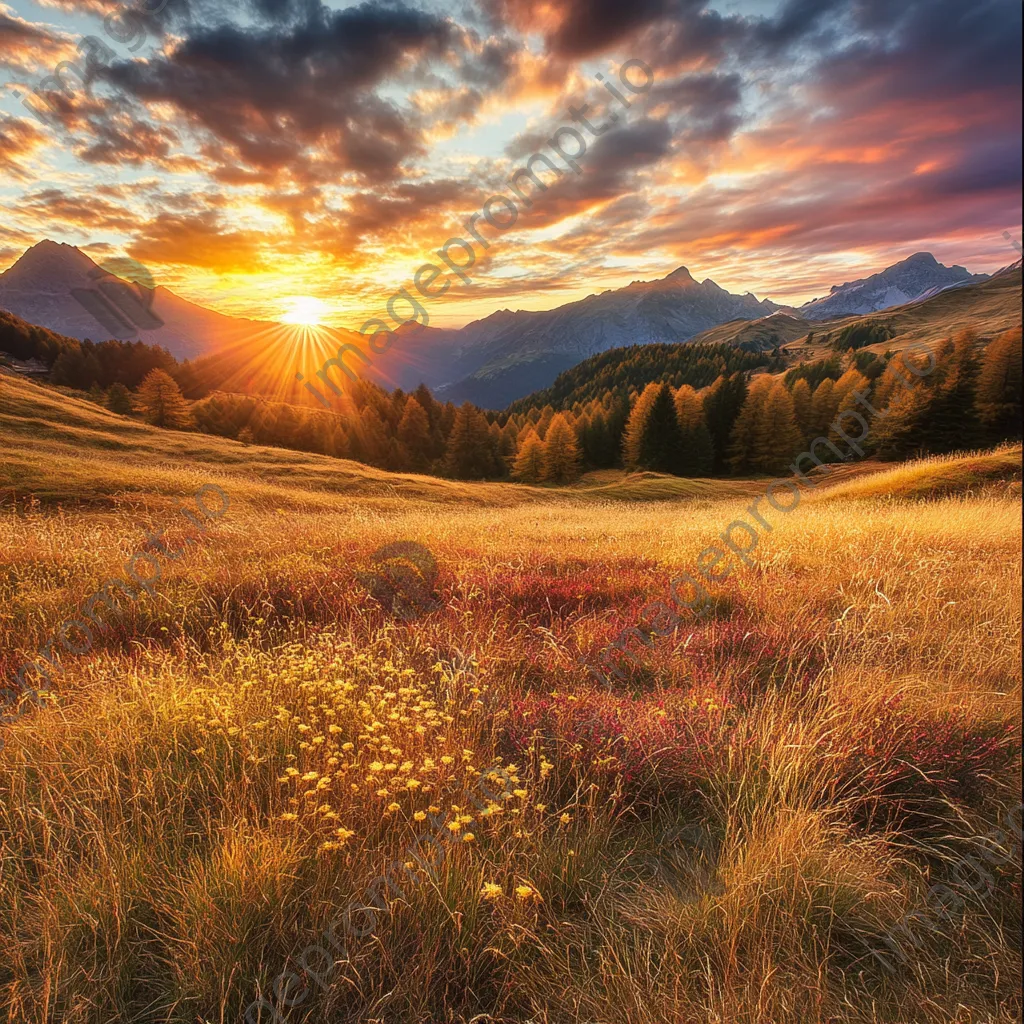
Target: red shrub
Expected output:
[899,759]
[656,744]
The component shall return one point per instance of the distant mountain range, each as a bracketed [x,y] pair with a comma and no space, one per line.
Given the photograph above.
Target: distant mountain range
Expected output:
[490,362]
[917,277]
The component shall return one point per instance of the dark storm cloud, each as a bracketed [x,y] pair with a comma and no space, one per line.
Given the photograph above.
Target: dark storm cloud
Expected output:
[574,29]
[270,93]
[926,50]
[796,20]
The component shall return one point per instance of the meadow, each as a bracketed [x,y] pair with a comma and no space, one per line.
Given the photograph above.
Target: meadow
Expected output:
[801,809]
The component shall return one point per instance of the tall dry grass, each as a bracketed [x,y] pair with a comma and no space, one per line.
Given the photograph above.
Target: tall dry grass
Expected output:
[753,834]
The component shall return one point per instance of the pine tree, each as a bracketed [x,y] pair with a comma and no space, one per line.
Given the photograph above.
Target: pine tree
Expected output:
[778,436]
[508,444]
[823,408]
[802,404]
[414,435]
[561,452]
[953,423]
[722,404]
[161,403]
[547,414]
[999,387]
[635,425]
[844,398]
[903,432]
[529,462]
[744,437]
[469,446]
[119,400]
[661,440]
[697,456]
[372,436]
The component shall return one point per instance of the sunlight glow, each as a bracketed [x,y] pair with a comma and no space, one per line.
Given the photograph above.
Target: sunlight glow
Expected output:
[304,310]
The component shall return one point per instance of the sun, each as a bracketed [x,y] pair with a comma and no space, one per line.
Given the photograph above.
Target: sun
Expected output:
[304,310]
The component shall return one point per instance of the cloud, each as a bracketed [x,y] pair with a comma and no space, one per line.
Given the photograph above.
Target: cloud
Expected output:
[18,139]
[26,47]
[57,211]
[197,240]
[301,99]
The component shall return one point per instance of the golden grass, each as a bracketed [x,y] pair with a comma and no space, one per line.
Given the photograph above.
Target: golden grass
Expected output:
[154,867]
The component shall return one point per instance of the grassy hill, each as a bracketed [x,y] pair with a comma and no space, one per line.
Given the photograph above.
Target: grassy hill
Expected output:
[990,307]
[502,787]
[58,448]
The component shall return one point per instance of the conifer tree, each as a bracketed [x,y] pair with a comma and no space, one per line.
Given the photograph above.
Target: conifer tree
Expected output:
[529,462]
[843,394]
[508,443]
[414,435]
[778,436]
[561,453]
[661,440]
[697,456]
[903,432]
[802,402]
[161,402]
[469,446]
[999,387]
[547,414]
[823,408]
[635,425]
[722,404]
[119,400]
[372,437]
[744,438]
[953,423]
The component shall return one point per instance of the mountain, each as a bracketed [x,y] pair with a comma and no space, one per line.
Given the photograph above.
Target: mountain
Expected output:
[760,335]
[58,287]
[917,277]
[491,362]
[507,355]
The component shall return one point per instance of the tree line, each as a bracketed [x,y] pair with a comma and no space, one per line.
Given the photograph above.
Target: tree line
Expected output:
[705,410]
[739,425]
[83,365]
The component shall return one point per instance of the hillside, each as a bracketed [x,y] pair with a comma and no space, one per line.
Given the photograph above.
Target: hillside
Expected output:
[746,803]
[622,370]
[764,334]
[60,449]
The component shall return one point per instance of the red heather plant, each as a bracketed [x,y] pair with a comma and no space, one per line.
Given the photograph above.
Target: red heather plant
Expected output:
[898,761]
[545,592]
[663,744]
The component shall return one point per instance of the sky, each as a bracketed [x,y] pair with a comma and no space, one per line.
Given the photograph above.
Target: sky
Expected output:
[293,158]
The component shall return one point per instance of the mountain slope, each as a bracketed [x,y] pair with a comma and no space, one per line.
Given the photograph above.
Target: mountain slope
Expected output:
[917,277]
[59,287]
[990,307]
[509,354]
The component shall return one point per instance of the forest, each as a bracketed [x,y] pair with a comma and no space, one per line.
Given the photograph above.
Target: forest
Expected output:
[698,410]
